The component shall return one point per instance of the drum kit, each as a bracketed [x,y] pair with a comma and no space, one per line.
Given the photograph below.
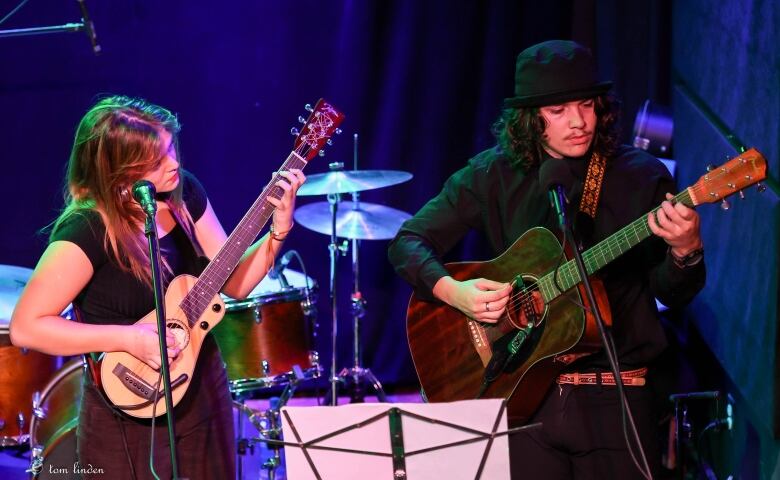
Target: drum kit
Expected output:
[266,340]
[271,333]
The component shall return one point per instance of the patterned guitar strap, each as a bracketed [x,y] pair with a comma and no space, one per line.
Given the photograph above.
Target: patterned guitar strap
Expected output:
[592,187]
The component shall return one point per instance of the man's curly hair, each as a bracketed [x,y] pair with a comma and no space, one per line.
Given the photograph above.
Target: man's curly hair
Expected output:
[520,132]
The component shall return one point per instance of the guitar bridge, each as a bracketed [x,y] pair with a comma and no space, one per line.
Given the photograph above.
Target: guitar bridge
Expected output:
[138,385]
[133,382]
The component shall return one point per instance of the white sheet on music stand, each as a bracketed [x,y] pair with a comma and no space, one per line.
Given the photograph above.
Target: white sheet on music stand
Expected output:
[461,462]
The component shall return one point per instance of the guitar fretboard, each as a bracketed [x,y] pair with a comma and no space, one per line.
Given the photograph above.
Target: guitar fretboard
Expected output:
[601,254]
[219,269]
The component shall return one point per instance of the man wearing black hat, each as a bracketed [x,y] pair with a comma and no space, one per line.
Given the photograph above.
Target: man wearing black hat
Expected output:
[561,112]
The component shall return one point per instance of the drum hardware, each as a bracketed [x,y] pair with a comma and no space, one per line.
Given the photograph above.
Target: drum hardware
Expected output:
[52,436]
[358,221]
[241,387]
[269,426]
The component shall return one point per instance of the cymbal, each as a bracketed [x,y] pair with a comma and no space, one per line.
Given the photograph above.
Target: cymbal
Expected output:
[12,282]
[346,181]
[364,221]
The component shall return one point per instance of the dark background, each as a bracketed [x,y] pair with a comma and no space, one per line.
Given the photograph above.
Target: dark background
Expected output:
[421,82]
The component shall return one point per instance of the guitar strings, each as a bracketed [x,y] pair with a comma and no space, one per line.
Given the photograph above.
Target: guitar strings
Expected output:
[568,269]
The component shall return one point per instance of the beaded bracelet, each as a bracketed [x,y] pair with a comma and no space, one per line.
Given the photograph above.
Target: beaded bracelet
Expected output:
[279,236]
[688,260]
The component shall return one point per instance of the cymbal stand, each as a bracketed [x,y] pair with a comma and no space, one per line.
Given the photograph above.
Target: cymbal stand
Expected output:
[358,307]
[334,249]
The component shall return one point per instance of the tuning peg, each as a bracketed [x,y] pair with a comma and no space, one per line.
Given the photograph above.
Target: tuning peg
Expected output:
[711,167]
[725,205]
[338,131]
[301,119]
[308,108]
[760,187]
[329,141]
[294,132]
[741,195]
[321,153]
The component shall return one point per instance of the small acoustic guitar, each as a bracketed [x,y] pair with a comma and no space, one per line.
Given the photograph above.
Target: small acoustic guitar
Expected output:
[193,305]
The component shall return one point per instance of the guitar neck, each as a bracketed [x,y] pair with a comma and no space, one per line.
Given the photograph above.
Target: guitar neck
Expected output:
[602,253]
[219,269]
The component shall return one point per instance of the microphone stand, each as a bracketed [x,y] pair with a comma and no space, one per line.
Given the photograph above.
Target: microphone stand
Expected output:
[150,230]
[559,202]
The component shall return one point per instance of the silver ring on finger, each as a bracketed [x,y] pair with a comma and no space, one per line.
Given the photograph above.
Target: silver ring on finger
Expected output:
[487,306]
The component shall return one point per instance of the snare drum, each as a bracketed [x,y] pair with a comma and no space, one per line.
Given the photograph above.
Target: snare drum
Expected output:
[53,427]
[271,331]
[22,372]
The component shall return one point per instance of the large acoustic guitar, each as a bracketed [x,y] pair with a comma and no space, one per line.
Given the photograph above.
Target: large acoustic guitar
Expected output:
[193,306]
[518,357]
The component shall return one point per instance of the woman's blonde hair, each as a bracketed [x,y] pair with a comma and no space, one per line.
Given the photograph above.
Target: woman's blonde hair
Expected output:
[117,142]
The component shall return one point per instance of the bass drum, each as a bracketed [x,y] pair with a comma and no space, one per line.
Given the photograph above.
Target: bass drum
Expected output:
[53,426]
[22,372]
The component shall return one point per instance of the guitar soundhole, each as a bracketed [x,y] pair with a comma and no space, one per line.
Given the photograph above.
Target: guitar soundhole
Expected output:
[181,334]
[525,306]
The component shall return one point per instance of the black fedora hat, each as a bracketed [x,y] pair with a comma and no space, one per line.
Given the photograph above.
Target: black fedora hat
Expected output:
[553,72]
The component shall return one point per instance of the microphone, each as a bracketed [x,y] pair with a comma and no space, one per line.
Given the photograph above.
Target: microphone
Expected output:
[89,27]
[143,193]
[555,177]
[277,271]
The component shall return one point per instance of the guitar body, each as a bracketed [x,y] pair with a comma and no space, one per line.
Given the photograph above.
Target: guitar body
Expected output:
[129,383]
[449,359]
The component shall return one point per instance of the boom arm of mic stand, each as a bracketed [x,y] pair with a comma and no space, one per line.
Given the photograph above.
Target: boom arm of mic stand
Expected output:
[150,230]
[23,32]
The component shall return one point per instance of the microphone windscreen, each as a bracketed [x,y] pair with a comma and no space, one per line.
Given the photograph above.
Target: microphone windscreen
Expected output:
[143,191]
[555,171]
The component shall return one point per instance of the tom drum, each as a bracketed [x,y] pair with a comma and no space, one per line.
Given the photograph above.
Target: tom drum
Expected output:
[269,333]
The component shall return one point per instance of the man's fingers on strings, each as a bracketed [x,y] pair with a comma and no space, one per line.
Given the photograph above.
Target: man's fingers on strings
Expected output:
[491,285]
[652,222]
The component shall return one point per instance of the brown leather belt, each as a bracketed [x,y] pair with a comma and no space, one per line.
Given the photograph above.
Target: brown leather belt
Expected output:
[632,378]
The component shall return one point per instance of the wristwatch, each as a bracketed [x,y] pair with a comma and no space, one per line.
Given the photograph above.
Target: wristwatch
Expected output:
[688,260]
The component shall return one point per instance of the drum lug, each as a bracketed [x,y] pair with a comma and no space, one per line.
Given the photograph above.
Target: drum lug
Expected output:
[314,358]
[38,410]
[258,314]
[37,461]
[266,367]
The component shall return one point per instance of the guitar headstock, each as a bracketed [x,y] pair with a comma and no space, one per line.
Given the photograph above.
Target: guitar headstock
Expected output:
[740,172]
[322,123]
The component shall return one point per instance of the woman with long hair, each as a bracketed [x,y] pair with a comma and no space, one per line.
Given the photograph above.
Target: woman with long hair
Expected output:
[97,259]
